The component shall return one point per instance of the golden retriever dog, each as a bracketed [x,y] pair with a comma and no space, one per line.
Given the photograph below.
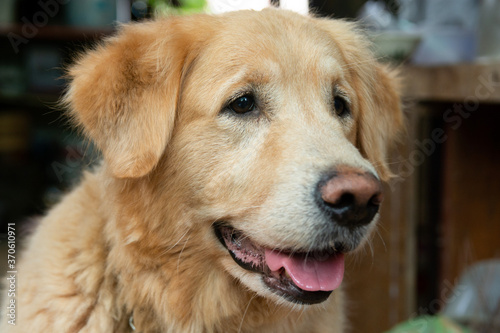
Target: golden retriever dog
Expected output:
[243,156]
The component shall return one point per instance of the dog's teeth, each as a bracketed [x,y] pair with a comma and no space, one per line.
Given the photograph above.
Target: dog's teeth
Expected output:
[287,275]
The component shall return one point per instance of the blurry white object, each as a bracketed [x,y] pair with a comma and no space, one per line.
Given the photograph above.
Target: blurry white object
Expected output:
[489,29]
[476,298]
[299,6]
[375,16]
[449,32]
[221,6]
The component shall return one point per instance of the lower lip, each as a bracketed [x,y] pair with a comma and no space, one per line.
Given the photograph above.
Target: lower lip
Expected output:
[294,294]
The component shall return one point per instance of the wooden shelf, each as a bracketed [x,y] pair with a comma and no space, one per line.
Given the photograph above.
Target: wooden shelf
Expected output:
[59,32]
[456,83]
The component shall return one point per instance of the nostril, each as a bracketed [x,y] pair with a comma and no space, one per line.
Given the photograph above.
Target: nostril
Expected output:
[376,199]
[345,200]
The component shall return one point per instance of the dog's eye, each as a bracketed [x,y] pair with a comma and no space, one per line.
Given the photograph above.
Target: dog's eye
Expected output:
[341,107]
[243,104]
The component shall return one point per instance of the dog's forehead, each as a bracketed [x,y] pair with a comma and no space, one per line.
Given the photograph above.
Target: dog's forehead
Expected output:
[266,47]
[282,57]
[271,38]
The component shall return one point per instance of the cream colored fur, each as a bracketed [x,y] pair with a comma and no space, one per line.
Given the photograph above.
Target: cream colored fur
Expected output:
[135,237]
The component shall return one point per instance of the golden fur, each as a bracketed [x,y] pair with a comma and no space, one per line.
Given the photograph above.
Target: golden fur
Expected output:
[135,237]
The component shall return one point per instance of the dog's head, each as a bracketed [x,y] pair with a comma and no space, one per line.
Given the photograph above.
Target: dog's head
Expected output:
[268,129]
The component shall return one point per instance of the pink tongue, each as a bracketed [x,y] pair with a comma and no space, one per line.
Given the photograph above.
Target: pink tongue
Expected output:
[310,274]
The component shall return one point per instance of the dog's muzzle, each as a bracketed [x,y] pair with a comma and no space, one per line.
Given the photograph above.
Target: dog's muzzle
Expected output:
[350,199]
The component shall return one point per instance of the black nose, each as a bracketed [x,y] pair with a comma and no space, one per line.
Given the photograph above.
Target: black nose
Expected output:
[350,197]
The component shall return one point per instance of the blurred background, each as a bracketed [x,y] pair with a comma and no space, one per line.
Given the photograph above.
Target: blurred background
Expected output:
[433,265]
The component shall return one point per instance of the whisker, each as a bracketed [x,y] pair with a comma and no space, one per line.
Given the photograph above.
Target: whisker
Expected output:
[381,238]
[173,246]
[180,254]
[245,313]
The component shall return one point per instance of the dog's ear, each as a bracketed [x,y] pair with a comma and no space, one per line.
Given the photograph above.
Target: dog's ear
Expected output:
[380,118]
[124,93]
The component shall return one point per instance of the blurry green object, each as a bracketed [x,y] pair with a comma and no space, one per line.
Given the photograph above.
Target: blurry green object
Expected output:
[166,7]
[395,46]
[429,324]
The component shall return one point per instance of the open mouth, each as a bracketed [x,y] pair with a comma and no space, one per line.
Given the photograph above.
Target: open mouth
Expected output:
[306,277]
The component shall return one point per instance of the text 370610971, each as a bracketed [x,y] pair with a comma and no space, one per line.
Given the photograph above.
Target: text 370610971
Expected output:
[11,273]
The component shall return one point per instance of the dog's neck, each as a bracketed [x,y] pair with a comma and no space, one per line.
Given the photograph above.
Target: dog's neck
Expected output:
[186,294]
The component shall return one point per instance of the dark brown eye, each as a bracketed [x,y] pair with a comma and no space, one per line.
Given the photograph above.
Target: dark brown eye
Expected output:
[341,107]
[243,104]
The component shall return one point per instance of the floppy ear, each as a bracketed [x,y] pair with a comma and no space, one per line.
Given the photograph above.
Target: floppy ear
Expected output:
[124,94]
[380,118]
